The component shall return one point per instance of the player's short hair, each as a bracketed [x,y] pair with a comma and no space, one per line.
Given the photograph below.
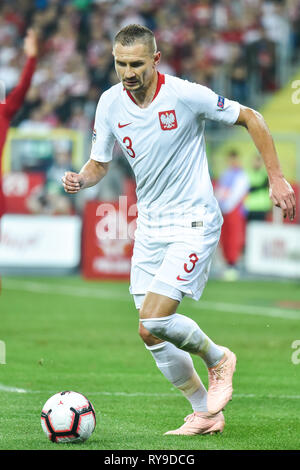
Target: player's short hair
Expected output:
[132,33]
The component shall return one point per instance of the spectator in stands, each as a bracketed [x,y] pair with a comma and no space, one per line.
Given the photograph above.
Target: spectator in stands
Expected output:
[231,190]
[261,60]
[257,202]
[14,100]
[36,121]
[238,76]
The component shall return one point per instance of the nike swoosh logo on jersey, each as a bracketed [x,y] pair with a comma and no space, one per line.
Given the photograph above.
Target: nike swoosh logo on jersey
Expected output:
[123,125]
[180,279]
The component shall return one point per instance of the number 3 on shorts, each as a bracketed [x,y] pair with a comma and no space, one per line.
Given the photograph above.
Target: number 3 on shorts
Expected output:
[193,260]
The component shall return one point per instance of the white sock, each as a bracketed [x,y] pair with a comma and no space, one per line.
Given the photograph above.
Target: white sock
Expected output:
[177,366]
[185,334]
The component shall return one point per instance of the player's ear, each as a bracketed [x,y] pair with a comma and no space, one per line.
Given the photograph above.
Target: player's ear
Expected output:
[156,57]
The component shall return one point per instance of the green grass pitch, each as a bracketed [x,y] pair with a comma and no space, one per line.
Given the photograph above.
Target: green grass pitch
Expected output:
[70,334]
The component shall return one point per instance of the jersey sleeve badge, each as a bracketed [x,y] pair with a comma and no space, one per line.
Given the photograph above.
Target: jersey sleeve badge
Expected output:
[168,120]
[221,101]
[94,137]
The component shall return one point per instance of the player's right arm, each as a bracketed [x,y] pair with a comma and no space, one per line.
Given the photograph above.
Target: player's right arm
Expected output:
[90,174]
[101,153]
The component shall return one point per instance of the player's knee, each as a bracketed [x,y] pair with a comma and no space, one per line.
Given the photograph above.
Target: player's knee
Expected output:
[144,333]
[146,336]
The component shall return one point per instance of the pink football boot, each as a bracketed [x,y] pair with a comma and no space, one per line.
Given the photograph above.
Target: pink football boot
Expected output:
[220,382]
[200,422]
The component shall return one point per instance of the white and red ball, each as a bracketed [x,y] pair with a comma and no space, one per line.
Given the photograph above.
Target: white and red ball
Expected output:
[68,417]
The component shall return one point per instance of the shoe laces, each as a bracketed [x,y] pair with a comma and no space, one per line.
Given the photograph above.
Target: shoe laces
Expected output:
[217,373]
[191,417]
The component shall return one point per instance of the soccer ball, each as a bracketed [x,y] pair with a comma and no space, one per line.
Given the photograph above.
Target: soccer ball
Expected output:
[68,417]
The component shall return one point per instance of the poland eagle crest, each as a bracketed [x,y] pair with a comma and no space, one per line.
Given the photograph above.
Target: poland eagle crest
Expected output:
[167,120]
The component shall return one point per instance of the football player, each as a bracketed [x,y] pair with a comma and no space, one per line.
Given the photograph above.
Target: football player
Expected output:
[158,121]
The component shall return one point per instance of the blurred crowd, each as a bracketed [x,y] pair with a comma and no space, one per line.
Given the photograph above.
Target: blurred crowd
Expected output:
[239,48]
[234,46]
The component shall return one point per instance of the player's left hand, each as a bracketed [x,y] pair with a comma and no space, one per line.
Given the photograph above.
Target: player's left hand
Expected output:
[282,195]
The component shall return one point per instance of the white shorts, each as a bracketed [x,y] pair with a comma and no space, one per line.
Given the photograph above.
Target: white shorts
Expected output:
[172,268]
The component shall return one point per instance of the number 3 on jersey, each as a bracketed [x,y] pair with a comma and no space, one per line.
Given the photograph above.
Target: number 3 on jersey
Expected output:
[128,144]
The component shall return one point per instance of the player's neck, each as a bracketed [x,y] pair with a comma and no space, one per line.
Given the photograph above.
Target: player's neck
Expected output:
[145,96]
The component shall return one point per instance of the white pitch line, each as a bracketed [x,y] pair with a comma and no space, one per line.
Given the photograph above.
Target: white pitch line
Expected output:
[36,287]
[6,388]
[176,394]
[249,309]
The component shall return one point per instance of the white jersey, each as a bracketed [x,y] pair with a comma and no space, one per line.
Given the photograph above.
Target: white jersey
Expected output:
[164,144]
